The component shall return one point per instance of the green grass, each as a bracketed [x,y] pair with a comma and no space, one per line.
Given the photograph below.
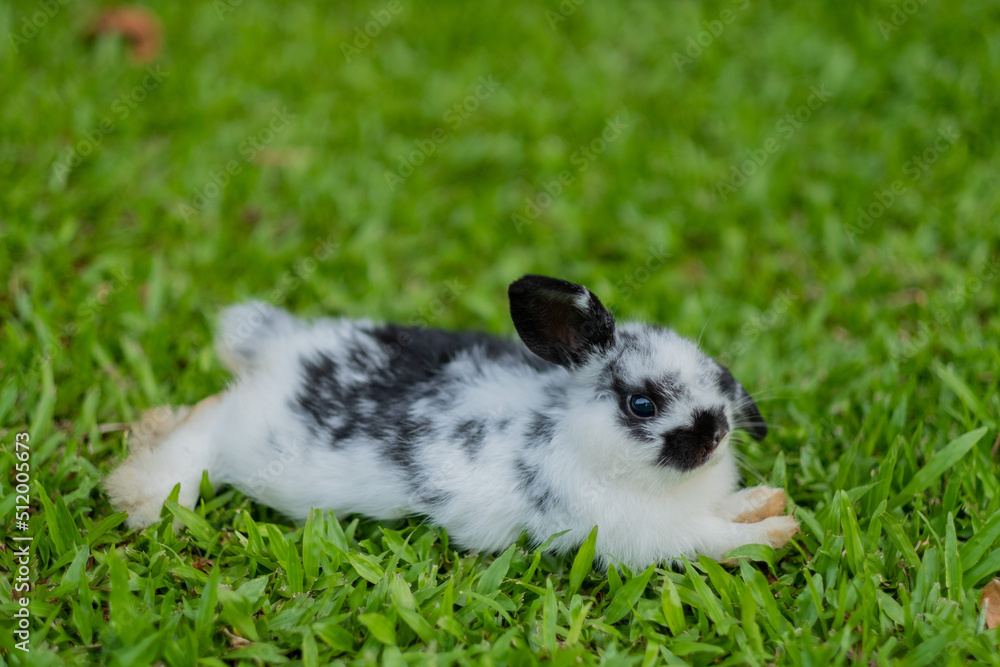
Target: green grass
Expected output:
[871,341]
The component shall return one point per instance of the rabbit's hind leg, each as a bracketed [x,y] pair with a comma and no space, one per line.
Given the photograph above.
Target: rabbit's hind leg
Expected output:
[167,447]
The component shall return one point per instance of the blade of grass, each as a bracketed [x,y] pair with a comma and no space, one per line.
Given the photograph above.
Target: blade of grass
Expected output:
[940,463]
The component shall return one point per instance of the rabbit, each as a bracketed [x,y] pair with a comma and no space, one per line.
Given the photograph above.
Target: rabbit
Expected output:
[627,427]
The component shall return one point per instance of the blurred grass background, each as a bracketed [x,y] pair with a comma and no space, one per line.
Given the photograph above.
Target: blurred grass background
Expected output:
[254,156]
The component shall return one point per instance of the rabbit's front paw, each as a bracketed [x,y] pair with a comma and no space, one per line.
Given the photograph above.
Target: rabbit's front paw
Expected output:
[725,535]
[755,504]
[774,531]
[779,530]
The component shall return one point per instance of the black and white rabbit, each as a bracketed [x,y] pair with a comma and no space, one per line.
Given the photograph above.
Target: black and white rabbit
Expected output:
[587,423]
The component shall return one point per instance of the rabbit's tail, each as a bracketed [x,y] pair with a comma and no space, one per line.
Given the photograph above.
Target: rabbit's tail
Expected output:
[245,330]
[168,447]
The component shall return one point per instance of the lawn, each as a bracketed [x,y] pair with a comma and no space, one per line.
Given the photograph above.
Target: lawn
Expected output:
[810,190]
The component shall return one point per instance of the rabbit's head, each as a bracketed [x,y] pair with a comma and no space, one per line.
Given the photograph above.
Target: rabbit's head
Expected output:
[640,389]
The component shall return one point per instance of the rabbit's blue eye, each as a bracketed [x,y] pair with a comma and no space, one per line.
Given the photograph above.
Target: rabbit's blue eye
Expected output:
[641,406]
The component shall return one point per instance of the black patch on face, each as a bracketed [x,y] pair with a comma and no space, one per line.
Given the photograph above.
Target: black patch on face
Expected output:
[726,383]
[609,374]
[663,392]
[538,493]
[745,410]
[687,447]
[471,434]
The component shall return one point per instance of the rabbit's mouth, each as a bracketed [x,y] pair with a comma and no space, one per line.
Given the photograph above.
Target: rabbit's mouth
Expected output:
[717,453]
[707,454]
[693,446]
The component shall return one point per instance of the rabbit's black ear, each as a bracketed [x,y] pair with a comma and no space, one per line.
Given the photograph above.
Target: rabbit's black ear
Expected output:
[745,410]
[560,321]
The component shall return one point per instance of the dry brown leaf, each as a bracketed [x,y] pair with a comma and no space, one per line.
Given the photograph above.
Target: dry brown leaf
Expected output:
[990,601]
[235,641]
[907,296]
[202,564]
[138,25]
